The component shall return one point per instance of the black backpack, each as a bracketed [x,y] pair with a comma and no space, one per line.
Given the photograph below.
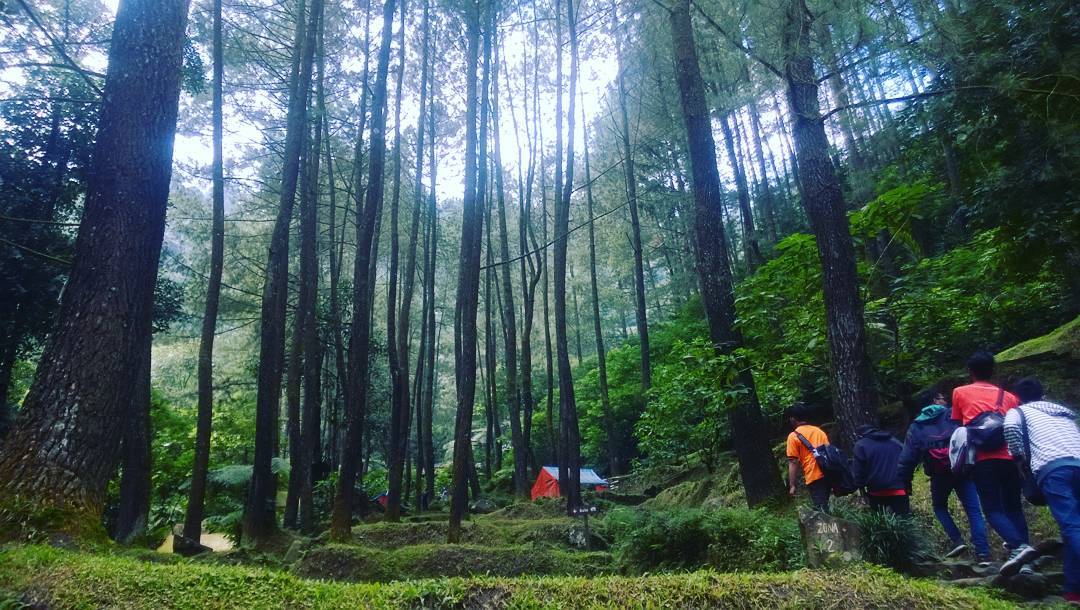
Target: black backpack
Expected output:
[834,464]
[986,430]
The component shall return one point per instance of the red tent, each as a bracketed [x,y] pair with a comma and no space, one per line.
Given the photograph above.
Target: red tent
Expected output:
[547,482]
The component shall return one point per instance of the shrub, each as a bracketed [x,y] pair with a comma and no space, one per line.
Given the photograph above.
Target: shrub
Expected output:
[889,540]
[728,539]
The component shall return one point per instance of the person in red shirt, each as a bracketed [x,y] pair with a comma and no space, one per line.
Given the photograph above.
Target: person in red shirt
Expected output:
[995,475]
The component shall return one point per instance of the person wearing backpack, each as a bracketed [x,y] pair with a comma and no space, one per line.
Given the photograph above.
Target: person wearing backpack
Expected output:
[876,455]
[802,458]
[1044,439]
[927,442]
[980,406]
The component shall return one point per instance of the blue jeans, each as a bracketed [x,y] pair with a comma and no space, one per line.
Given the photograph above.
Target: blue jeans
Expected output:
[1061,486]
[998,482]
[941,485]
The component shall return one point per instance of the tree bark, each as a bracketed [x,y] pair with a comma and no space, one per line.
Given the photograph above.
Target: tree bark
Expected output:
[360,338]
[751,250]
[310,430]
[410,261]
[855,396]
[757,466]
[630,178]
[133,511]
[258,523]
[765,194]
[468,289]
[570,437]
[612,445]
[197,492]
[428,447]
[509,318]
[397,348]
[62,449]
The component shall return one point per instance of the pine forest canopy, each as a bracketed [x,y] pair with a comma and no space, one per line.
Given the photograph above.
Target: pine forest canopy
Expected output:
[335,248]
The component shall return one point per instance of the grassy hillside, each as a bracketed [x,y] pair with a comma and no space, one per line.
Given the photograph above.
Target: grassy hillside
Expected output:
[65,580]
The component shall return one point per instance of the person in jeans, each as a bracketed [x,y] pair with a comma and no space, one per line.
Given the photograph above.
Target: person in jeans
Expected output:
[1054,461]
[927,442]
[801,458]
[875,460]
[994,472]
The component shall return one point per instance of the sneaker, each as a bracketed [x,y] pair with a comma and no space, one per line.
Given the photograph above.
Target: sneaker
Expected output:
[1027,570]
[959,548]
[1072,598]
[1019,556]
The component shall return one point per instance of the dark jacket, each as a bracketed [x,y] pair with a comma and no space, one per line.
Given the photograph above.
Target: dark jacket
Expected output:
[932,427]
[876,454]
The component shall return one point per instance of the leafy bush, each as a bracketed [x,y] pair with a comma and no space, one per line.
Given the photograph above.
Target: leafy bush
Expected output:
[687,410]
[728,539]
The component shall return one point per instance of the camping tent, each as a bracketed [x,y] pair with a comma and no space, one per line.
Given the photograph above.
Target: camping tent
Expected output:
[547,482]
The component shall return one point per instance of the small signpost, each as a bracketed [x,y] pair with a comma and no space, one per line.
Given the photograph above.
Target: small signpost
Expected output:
[584,512]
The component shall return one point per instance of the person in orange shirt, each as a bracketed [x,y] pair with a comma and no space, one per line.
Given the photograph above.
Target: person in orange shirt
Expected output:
[801,458]
[994,473]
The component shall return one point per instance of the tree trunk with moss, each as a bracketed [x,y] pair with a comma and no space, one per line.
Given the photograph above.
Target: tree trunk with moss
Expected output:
[63,447]
[854,393]
[760,477]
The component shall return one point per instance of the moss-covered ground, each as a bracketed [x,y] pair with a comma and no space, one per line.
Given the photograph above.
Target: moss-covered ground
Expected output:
[488,530]
[63,580]
[366,564]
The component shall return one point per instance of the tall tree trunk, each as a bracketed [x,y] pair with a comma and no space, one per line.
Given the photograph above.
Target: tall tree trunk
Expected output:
[854,394]
[482,199]
[360,338]
[577,316]
[310,432]
[258,522]
[197,491]
[468,289]
[630,178]
[491,396]
[509,318]
[429,287]
[553,432]
[410,260]
[612,446]
[397,348]
[756,464]
[133,511]
[751,251]
[570,437]
[62,449]
[527,236]
[765,194]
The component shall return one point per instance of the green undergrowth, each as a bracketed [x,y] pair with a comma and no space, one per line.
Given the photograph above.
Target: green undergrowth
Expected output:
[62,524]
[480,531]
[729,539]
[366,564]
[1064,341]
[541,508]
[63,580]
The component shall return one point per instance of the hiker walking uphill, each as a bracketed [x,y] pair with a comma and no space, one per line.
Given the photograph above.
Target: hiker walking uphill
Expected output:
[980,406]
[824,467]
[1044,438]
[927,442]
[875,464]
